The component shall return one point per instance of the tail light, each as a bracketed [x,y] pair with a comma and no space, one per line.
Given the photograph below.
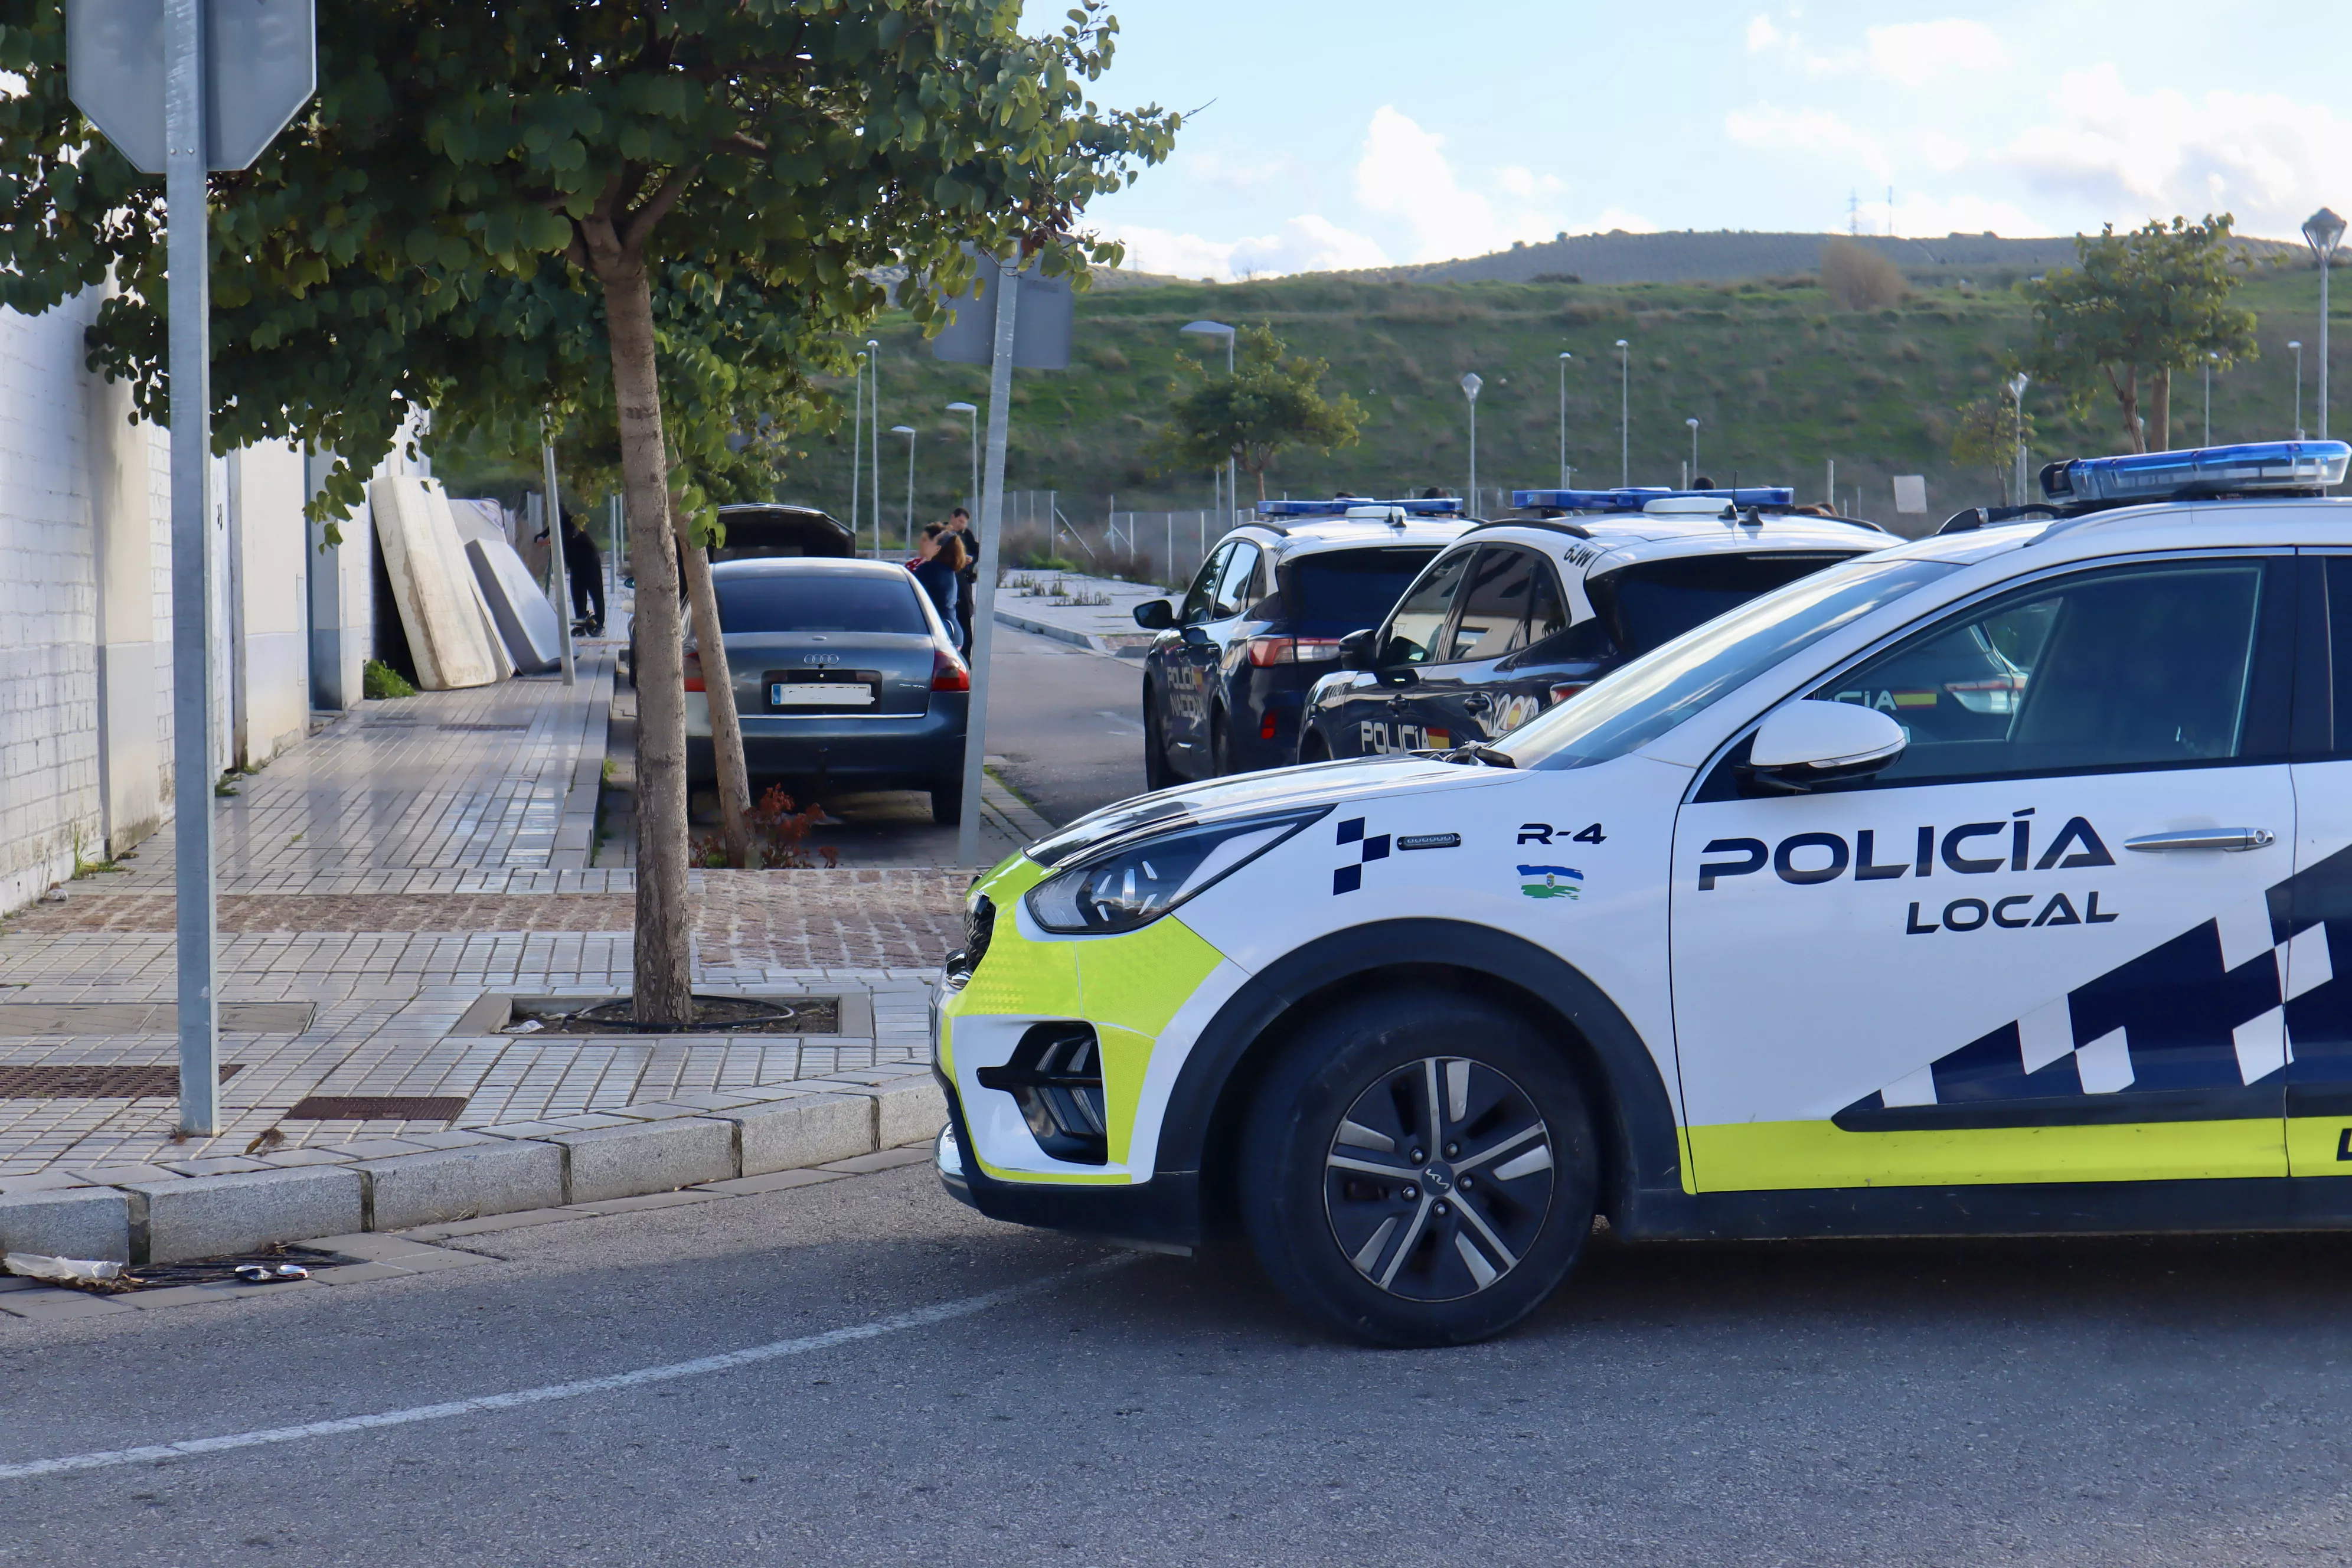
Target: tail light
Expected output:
[948,671]
[693,671]
[1270,650]
[1568,689]
[1265,726]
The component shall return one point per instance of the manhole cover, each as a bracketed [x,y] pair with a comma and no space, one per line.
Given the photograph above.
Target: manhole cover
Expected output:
[378,1107]
[97,1081]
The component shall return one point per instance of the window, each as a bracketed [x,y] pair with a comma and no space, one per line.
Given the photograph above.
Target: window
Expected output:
[2139,666]
[1494,619]
[818,601]
[1200,598]
[1547,617]
[1414,629]
[1234,595]
[1334,592]
[1650,603]
[1637,702]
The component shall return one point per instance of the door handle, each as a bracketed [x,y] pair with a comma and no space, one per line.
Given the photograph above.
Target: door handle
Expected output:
[1477,703]
[2232,838]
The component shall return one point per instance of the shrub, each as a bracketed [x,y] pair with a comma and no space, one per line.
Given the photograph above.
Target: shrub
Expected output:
[1860,278]
[379,680]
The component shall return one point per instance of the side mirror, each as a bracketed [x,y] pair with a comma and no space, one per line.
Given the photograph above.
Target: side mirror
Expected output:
[1356,649]
[1804,744]
[1155,614]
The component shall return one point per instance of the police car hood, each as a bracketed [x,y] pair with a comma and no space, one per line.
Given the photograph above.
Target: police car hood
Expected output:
[1315,783]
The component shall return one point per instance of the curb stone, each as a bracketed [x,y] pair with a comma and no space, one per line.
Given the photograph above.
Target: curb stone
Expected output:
[144,1214]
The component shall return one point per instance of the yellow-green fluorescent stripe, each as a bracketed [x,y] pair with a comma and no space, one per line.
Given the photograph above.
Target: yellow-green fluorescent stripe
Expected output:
[1132,985]
[1777,1155]
[2313,1145]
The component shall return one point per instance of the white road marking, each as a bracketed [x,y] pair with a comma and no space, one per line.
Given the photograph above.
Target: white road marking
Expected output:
[1122,720]
[922,1317]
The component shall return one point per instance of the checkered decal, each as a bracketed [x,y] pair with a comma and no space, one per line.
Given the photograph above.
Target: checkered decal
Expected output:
[1347,879]
[2248,998]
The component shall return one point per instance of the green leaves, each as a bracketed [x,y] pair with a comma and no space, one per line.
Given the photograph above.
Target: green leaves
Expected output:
[1271,403]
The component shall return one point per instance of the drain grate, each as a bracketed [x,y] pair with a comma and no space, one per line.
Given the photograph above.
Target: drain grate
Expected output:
[97,1081]
[378,1107]
[490,729]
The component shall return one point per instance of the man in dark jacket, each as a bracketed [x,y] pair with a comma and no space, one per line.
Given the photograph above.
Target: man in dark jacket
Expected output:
[967,580]
[585,564]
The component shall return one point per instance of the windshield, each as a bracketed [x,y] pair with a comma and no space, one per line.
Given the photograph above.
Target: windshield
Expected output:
[1650,604]
[1640,702]
[1342,591]
[818,601]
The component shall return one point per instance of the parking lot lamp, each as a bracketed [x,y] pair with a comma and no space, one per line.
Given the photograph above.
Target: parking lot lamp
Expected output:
[1470,385]
[857,447]
[2017,386]
[1694,430]
[970,413]
[908,432]
[1624,414]
[1563,418]
[2323,231]
[874,451]
[1219,330]
[2211,360]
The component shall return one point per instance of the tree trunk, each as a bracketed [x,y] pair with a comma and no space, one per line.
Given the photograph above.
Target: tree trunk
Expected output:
[719,695]
[663,978]
[2160,394]
[2128,399]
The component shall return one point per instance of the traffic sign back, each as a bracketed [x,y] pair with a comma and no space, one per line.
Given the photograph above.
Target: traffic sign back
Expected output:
[261,65]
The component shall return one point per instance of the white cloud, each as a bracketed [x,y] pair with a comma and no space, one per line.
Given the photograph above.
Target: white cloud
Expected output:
[1913,53]
[1405,174]
[1304,244]
[2262,156]
[1613,218]
[1944,154]
[1930,216]
[1762,34]
[1815,130]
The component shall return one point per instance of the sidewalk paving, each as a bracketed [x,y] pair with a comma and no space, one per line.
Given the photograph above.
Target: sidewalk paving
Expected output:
[1093,612]
[413,858]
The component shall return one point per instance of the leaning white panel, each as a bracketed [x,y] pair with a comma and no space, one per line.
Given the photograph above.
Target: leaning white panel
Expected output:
[440,607]
[525,619]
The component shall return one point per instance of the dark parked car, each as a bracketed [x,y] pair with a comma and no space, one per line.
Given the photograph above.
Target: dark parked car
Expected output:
[1223,682]
[844,678]
[1518,614]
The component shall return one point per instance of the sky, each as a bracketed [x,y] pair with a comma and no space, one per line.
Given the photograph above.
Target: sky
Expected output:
[1368,132]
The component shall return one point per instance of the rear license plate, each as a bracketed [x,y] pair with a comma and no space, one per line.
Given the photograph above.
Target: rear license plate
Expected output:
[797,694]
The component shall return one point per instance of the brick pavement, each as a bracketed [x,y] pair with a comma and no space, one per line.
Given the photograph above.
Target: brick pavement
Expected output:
[410,859]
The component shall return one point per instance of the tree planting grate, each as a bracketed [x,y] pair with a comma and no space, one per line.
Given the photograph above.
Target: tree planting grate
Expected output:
[97,1081]
[378,1107]
[489,729]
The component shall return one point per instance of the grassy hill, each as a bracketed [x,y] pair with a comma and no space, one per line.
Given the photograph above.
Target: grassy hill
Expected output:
[1781,380]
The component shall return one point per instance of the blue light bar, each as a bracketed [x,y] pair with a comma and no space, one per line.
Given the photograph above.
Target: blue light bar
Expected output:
[1634,498]
[2250,469]
[1431,506]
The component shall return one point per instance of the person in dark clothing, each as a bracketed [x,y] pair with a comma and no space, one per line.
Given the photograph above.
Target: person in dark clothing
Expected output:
[939,558]
[585,564]
[967,580]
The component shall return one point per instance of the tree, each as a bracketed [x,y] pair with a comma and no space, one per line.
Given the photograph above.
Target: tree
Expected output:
[791,146]
[1269,404]
[2136,308]
[1861,278]
[1986,435]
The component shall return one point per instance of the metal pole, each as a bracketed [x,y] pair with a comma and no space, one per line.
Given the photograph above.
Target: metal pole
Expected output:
[983,610]
[2297,347]
[2209,402]
[1232,495]
[874,452]
[1563,419]
[612,556]
[1625,415]
[2324,270]
[911,492]
[1829,481]
[560,577]
[192,559]
[857,447]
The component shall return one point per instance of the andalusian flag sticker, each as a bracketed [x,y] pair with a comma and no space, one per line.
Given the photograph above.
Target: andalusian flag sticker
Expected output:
[1549,881]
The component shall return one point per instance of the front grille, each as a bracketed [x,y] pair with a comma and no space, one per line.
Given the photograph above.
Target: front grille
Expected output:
[1056,1078]
[979,925]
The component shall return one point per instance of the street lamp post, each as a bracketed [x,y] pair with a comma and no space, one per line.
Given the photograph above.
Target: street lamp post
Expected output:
[1624,414]
[857,447]
[2297,347]
[972,418]
[1219,330]
[2323,231]
[874,452]
[1693,423]
[1470,385]
[2017,386]
[908,432]
[1563,418]
[2211,360]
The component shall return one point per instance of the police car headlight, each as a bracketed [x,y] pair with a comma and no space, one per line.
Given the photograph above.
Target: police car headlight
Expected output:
[1125,886]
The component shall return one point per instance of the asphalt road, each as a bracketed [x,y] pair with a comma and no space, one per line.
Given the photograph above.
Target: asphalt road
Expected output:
[2172,1402]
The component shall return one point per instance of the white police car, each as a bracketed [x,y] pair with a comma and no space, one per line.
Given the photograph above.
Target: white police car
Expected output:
[1522,612]
[1985,883]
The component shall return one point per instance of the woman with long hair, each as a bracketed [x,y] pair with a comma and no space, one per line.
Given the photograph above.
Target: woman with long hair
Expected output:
[938,556]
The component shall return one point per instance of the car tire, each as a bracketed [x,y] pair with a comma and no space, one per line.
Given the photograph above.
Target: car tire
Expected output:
[1157,773]
[1221,746]
[947,801]
[1398,1251]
